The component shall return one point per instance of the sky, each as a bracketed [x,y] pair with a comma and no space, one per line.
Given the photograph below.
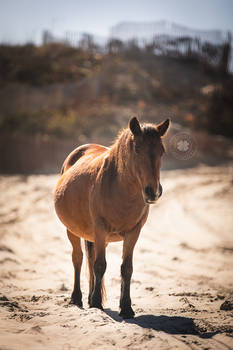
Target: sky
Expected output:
[24,20]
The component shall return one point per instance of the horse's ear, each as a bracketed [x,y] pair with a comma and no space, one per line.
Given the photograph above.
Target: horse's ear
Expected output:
[135,126]
[163,127]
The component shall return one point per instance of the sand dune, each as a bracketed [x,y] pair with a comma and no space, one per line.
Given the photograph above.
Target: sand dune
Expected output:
[182,287]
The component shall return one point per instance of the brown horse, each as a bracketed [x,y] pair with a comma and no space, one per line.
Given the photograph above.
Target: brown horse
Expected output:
[103,196]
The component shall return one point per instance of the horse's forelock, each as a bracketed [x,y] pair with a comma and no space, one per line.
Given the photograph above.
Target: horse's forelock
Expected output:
[149,130]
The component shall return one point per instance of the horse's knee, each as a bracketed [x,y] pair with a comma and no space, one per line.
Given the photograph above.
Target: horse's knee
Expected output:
[100,267]
[127,268]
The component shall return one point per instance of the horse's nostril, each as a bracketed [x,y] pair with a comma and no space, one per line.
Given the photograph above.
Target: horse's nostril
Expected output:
[149,192]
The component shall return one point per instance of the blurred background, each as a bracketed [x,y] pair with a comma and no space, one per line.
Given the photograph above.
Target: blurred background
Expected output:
[74,72]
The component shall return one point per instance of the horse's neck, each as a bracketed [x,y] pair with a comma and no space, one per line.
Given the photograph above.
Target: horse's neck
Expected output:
[125,178]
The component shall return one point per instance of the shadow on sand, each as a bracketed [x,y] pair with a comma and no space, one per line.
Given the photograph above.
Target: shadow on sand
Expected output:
[167,324]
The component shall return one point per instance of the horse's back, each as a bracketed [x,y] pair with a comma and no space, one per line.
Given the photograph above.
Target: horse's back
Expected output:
[73,188]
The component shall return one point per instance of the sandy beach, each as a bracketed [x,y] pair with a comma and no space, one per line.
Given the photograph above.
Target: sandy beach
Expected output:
[182,286]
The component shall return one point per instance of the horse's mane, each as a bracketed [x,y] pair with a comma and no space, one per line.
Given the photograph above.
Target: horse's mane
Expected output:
[119,150]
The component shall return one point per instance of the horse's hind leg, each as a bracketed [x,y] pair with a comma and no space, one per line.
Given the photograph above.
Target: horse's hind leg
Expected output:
[99,270]
[77,258]
[91,259]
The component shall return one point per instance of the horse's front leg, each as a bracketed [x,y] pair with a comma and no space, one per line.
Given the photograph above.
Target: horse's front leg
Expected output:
[99,270]
[130,240]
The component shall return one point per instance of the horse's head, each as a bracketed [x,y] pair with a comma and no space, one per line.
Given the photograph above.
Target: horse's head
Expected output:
[147,149]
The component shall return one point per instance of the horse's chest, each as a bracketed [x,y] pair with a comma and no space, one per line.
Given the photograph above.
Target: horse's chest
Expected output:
[125,218]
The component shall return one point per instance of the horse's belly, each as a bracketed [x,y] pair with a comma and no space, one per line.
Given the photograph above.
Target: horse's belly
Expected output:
[72,206]
[115,237]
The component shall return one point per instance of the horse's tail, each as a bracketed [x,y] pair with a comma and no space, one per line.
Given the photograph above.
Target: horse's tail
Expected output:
[90,253]
[73,157]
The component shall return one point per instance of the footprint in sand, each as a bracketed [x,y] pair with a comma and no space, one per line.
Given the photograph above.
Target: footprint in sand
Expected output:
[4,248]
[34,330]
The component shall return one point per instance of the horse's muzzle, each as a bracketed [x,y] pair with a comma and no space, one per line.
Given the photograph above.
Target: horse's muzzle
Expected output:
[150,196]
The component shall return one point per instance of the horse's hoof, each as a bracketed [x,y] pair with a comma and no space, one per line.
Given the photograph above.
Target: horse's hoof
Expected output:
[97,306]
[76,302]
[129,313]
